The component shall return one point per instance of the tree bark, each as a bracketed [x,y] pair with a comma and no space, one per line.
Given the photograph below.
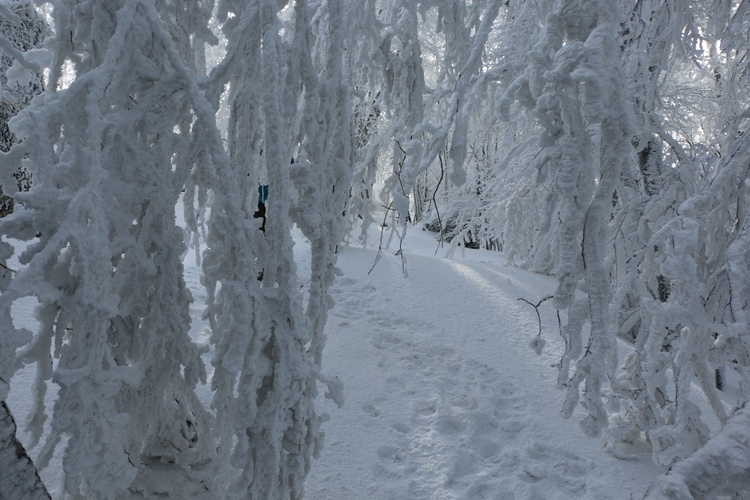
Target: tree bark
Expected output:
[19,479]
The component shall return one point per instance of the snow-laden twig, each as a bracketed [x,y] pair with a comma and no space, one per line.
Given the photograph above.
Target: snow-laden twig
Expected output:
[538,343]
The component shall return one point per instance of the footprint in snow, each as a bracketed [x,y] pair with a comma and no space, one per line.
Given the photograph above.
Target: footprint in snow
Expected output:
[466,432]
[453,435]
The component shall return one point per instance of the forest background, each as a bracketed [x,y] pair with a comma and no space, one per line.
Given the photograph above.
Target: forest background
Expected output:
[600,142]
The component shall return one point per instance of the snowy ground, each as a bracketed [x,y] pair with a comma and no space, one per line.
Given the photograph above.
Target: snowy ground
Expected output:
[445,398]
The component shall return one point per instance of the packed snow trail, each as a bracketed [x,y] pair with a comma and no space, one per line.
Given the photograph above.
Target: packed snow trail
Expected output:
[445,399]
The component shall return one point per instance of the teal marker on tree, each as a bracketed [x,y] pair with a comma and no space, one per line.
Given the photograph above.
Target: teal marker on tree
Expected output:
[262,193]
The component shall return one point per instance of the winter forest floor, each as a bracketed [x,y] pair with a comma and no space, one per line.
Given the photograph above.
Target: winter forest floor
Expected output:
[444,397]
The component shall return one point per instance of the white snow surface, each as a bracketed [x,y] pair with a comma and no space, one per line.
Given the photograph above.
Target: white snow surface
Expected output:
[444,397]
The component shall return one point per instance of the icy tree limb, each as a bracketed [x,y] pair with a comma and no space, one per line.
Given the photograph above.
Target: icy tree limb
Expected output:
[722,466]
[538,343]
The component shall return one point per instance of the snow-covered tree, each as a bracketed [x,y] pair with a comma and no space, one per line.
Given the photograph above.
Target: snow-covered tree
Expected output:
[667,260]
[626,143]
[103,257]
[289,124]
[576,88]
[125,129]
[22,29]
[587,139]
[720,468]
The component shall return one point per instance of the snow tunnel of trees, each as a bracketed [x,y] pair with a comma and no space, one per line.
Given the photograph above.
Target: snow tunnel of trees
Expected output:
[600,142]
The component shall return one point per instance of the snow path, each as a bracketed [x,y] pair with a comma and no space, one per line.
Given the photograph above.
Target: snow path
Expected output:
[444,397]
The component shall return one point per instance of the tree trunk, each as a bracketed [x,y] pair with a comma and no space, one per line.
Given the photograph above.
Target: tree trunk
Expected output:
[19,479]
